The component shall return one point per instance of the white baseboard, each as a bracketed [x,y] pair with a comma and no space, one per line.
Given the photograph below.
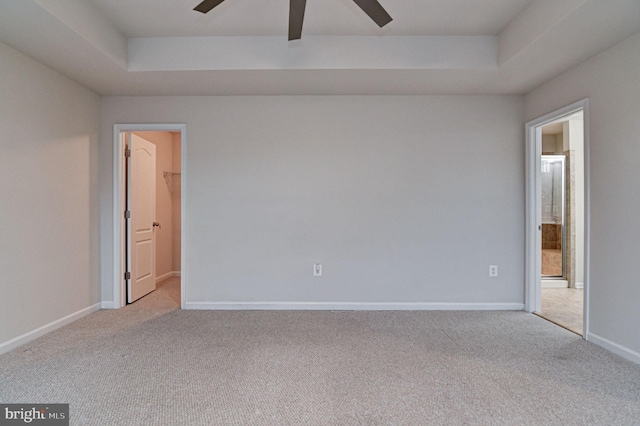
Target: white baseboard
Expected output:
[617,349]
[108,305]
[47,328]
[167,275]
[579,285]
[346,306]
[554,283]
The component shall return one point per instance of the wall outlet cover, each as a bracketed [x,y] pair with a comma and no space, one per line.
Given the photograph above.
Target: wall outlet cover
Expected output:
[493,270]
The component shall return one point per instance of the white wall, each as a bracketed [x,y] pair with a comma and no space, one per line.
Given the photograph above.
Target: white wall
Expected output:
[610,81]
[402,199]
[49,251]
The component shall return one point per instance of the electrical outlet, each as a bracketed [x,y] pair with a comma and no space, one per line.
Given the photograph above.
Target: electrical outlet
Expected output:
[493,270]
[317,270]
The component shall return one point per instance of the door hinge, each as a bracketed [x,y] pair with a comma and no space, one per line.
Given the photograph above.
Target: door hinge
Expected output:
[127,152]
[127,275]
[127,214]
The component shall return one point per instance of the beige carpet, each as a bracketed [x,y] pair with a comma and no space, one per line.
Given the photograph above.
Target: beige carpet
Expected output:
[152,364]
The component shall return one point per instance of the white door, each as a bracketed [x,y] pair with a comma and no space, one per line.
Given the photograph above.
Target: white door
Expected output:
[141,201]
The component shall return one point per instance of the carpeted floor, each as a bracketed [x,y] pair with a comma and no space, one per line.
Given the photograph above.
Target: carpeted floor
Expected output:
[153,364]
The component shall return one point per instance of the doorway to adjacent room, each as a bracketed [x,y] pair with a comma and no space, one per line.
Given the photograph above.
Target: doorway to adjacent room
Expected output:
[557,217]
[562,203]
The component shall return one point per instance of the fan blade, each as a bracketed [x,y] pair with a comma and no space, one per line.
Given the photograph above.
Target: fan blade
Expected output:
[375,11]
[207,5]
[296,18]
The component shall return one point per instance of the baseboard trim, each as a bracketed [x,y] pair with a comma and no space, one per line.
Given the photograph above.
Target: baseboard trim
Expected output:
[167,275]
[108,305]
[617,349]
[47,328]
[554,283]
[345,306]
[579,285]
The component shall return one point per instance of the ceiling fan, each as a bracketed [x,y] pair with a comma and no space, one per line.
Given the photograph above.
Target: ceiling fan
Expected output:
[296,13]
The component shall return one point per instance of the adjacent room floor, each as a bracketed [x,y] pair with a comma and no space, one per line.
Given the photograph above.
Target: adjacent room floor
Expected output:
[563,306]
[171,288]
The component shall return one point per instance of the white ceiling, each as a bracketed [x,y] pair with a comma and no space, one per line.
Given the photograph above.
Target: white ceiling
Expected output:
[163,47]
[163,18]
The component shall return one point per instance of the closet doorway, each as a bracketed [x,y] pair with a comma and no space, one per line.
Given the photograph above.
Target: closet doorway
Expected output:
[148,188]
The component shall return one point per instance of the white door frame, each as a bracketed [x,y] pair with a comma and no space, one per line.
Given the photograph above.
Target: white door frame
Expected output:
[533,243]
[119,202]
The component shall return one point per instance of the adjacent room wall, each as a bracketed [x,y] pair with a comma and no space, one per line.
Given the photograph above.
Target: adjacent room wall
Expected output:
[402,199]
[574,149]
[610,81]
[49,208]
[550,144]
